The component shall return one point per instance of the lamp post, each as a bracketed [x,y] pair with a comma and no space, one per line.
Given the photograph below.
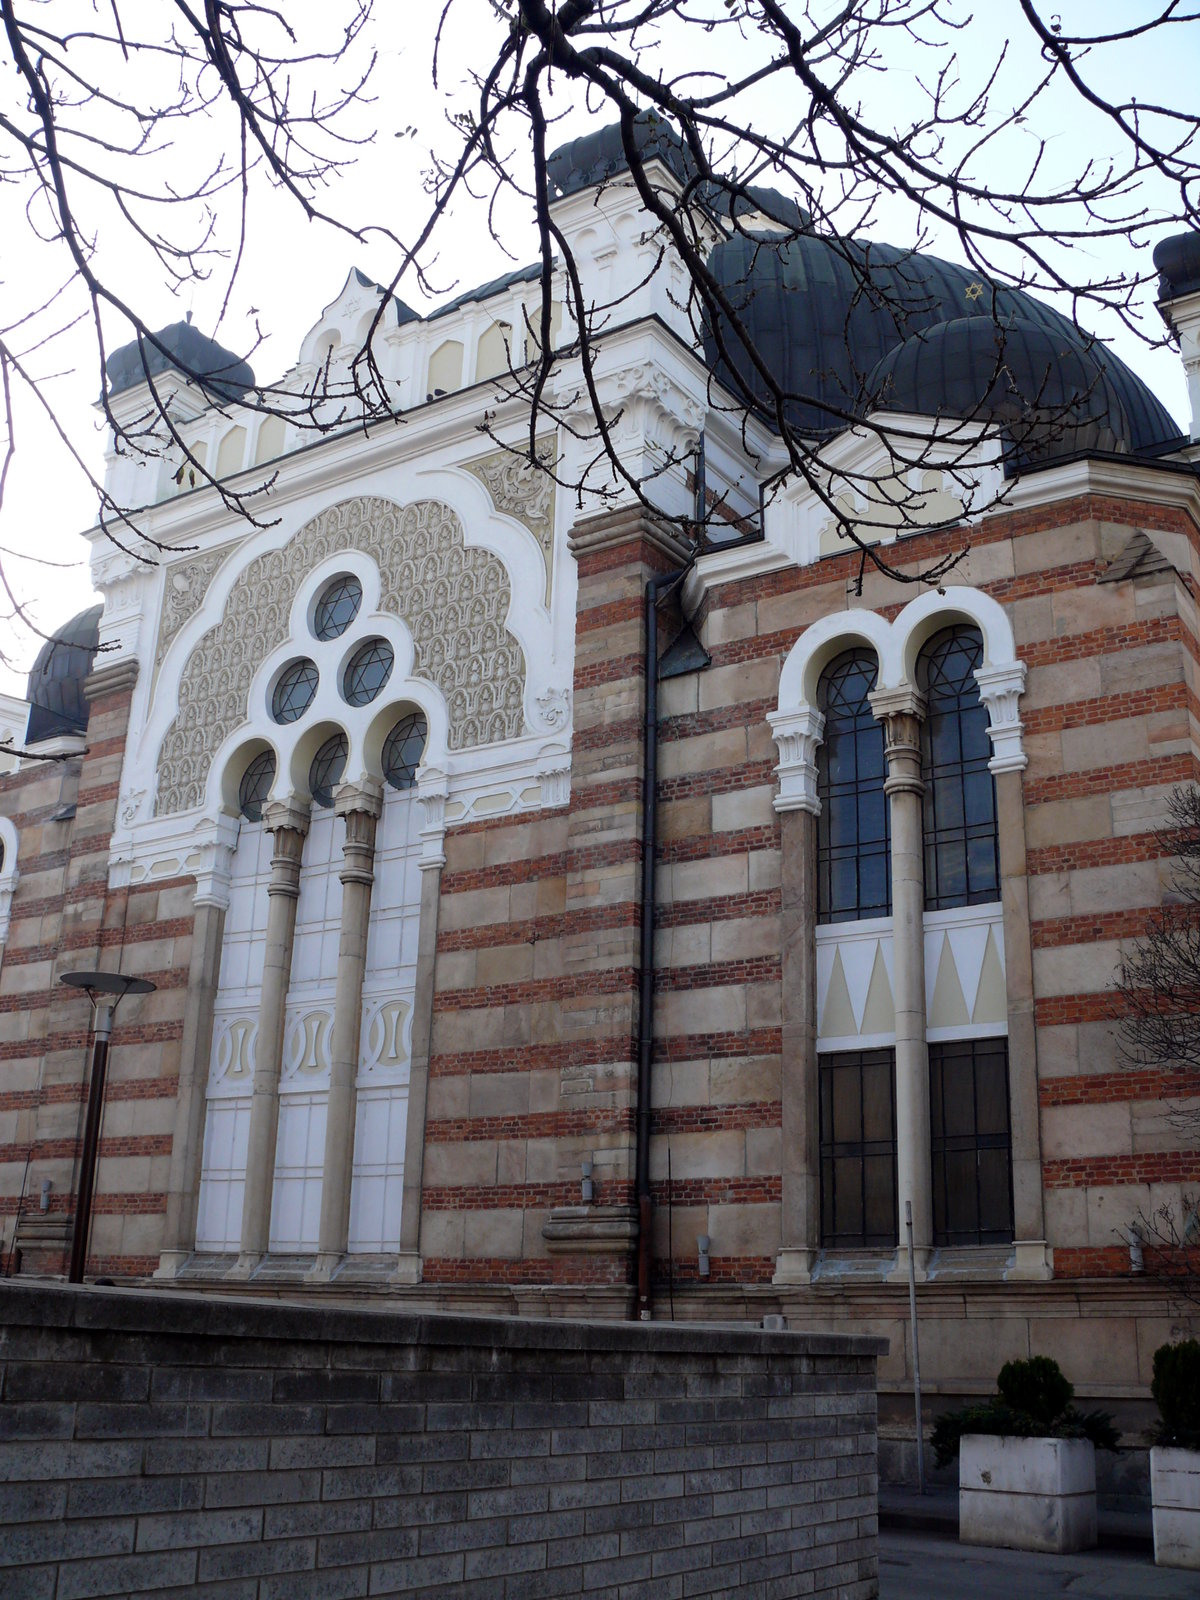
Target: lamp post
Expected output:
[105,990]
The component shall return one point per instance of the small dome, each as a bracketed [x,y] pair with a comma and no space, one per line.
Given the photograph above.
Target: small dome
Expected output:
[55,688]
[1178,263]
[1053,392]
[227,376]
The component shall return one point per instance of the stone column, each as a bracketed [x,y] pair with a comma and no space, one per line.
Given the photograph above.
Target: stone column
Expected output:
[361,805]
[187,1139]
[1000,689]
[288,822]
[902,711]
[432,793]
[798,733]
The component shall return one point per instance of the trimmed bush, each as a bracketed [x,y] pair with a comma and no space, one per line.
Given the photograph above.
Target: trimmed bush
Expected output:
[1034,1402]
[1176,1391]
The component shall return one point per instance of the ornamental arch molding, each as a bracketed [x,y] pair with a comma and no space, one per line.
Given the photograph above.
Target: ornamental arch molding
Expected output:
[453,598]
[797,725]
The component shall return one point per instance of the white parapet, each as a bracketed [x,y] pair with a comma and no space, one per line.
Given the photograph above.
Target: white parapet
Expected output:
[1027,1494]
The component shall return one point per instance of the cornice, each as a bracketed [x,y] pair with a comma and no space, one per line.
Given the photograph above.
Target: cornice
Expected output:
[1167,483]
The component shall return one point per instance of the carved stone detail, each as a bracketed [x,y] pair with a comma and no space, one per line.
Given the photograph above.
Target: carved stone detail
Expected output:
[1000,689]
[183,594]
[525,492]
[454,600]
[798,734]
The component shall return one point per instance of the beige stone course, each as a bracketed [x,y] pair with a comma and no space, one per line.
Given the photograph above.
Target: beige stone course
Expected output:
[714,1154]
[744,1230]
[469,1162]
[1075,968]
[1077,1131]
[1069,821]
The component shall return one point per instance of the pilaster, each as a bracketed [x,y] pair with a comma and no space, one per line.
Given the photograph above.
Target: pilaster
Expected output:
[800,1233]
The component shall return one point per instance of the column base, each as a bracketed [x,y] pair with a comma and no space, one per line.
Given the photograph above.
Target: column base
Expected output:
[794,1265]
[1033,1262]
[171,1263]
[325,1268]
[407,1268]
[921,1258]
[246,1265]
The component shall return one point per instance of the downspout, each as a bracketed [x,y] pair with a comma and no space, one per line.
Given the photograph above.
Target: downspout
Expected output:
[654,589]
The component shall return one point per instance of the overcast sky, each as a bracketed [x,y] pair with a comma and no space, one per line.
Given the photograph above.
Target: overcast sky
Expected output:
[293,268]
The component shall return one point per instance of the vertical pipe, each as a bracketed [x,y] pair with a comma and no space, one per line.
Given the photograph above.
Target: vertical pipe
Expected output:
[101,1033]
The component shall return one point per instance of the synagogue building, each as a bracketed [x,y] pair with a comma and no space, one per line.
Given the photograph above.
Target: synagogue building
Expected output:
[562,910]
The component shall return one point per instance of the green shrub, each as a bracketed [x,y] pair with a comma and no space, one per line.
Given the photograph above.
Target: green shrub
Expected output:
[1176,1391]
[1034,1403]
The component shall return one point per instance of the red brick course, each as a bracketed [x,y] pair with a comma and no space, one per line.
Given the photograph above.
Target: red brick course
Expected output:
[1146,1166]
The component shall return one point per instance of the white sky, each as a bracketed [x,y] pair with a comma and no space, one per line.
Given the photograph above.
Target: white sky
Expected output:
[292,268]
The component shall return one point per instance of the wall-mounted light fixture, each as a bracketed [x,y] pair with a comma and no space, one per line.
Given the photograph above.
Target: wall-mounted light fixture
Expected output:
[586,1187]
[702,1261]
[47,1185]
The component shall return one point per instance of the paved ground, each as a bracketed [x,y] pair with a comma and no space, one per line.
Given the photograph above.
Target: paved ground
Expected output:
[934,1566]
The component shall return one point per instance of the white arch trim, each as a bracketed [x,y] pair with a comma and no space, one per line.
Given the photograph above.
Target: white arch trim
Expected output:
[797,725]
[8,874]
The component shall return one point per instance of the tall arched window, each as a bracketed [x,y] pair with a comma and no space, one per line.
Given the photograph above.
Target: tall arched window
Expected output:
[962,866]
[853,850]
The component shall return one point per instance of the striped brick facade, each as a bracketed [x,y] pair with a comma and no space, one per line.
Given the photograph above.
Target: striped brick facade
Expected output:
[65,917]
[533,1046]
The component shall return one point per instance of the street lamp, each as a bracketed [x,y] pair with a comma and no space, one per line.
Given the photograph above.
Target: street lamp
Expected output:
[105,990]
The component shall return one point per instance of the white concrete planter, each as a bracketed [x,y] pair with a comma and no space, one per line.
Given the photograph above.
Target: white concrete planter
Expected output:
[1027,1494]
[1175,1493]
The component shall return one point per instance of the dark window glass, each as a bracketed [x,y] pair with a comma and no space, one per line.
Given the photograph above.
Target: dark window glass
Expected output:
[962,865]
[337,607]
[256,785]
[853,853]
[326,771]
[970,1142]
[858,1150]
[402,751]
[294,691]
[370,668]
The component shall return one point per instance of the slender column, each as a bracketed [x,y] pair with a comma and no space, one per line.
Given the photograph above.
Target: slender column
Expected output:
[187,1139]
[901,711]
[288,823]
[432,792]
[798,733]
[361,805]
[800,1233]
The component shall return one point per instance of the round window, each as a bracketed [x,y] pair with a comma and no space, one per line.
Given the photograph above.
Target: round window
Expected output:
[256,785]
[402,751]
[370,668]
[326,771]
[337,607]
[295,690]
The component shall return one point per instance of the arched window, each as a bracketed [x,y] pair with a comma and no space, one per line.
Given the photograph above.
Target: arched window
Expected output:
[962,865]
[853,850]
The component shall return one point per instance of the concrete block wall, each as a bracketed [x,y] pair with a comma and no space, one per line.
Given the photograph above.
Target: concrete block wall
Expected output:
[162,1445]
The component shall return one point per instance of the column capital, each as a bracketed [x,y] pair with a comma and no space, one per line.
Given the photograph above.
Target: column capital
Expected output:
[366,795]
[905,700]
[279,815]
[797,733]
[1000,689]
[901,710]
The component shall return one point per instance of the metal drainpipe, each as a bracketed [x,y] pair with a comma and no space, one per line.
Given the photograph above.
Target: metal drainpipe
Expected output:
[654,588]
